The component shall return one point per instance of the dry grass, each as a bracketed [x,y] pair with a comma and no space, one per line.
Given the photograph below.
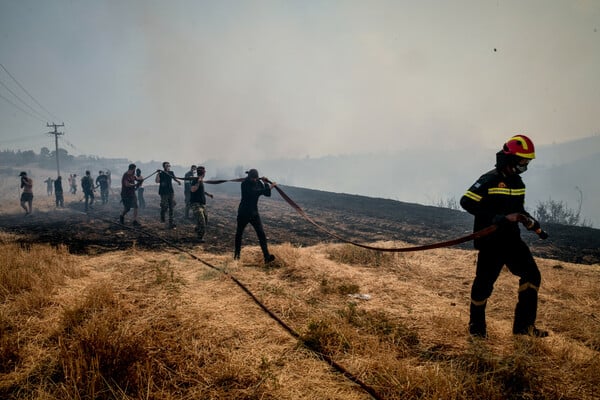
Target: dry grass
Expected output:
[144,325]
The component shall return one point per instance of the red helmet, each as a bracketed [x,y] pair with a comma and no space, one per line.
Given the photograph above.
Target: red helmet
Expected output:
[521,146]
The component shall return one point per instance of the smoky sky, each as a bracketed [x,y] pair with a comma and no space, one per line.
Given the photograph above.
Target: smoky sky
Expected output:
[188,81]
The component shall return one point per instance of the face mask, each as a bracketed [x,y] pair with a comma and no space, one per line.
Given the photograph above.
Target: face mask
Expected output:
[521,166]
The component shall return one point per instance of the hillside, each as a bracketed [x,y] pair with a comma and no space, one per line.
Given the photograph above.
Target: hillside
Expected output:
[427,176]
[108,312]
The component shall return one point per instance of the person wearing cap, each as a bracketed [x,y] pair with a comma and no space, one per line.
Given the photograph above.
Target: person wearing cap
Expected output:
[27,194]
[252,188]
[129,183]
[187,189]
[498,198]
[165,178]
[198,202]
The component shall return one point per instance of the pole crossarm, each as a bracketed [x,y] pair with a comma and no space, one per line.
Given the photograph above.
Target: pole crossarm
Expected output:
[56,134]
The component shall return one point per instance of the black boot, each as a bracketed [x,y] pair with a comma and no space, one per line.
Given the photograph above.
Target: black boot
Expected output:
[477,326]
[265,250]
[534,332]
[526,313]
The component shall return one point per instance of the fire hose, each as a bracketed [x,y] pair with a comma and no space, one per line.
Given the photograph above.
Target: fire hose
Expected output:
[530,224]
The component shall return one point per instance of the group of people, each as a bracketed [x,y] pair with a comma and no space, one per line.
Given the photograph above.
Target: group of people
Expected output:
[88,187]
[195,201]
[496,198]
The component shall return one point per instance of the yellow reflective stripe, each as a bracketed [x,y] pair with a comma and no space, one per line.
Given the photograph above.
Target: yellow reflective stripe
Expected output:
[473,196]
[527,285]
[479,303]
[499,191]
[507,191]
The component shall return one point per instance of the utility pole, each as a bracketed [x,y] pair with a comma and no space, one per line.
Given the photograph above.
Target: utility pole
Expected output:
[56,135]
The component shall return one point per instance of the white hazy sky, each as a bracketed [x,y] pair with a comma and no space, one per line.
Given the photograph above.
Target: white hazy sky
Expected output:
[188,81]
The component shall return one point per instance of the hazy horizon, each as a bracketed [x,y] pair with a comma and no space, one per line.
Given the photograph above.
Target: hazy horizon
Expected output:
[256,80]
[443,84]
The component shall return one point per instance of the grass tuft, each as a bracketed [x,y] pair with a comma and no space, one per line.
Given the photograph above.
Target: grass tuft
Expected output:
[352,255]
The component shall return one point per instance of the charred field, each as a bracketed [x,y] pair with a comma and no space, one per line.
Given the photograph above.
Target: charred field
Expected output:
[353,217]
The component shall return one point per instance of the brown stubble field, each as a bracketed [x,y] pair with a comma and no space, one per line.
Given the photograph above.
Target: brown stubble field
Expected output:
[102,311]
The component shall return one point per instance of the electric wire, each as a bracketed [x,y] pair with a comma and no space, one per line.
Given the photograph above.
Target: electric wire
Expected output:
[21,100]
[28,94]
[71,145]
[21,109]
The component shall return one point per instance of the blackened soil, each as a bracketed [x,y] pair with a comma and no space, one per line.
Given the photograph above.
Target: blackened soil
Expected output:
[352,217]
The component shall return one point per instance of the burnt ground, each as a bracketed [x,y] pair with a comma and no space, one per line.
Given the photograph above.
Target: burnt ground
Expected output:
[357,218]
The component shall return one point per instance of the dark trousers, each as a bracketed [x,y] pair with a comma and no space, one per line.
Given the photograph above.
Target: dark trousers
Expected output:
[89,199]
[254,220]
[104,195]
[518,259]
[60,200]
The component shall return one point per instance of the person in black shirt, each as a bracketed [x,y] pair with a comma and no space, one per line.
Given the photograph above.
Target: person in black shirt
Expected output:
[497,198]
[87,185]
[58,192]
[165,189]
[252,188]
[198,202]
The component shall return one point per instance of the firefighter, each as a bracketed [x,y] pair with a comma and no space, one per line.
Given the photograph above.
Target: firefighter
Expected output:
[498,198]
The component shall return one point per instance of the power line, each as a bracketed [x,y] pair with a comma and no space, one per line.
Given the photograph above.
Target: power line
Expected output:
[19,108]
[71,145]
[25,90]
[20,99]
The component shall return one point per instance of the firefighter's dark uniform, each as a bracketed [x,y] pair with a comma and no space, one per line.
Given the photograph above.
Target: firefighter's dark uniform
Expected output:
[490,199]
